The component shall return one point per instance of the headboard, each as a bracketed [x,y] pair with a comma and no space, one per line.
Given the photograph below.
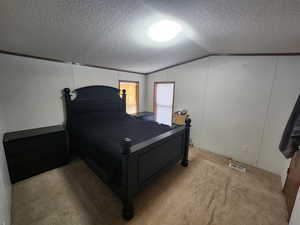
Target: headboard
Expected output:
[93,99]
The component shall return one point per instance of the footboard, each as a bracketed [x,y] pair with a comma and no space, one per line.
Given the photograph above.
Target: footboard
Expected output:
[144,161]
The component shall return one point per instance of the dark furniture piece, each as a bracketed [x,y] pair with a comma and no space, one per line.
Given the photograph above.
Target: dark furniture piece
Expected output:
[144,115]
[289,147]
[31,152]
[125,152]
[292,130]
[292,182]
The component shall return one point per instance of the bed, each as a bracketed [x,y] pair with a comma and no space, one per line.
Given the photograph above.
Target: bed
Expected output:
[125,152]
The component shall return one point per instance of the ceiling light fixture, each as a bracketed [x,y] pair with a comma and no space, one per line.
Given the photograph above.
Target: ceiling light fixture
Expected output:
[164,30]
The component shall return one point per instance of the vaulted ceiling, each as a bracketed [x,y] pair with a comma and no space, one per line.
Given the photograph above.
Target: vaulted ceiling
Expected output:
[113,33]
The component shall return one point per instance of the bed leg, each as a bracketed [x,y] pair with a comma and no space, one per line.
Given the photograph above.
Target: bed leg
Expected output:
[185,160]
[128,209]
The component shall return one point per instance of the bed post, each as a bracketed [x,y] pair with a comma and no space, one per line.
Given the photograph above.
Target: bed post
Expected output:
[124,99]
[67,98]
[185,160]
[128,210]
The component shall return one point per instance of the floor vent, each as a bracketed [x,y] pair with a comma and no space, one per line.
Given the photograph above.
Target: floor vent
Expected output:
[237,167]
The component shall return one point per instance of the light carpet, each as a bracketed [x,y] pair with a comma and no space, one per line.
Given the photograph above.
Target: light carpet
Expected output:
[205,193]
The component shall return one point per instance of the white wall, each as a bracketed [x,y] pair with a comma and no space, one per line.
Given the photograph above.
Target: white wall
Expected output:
[286,88]
[30,97]
[30,89]
[5,186]
[239,105]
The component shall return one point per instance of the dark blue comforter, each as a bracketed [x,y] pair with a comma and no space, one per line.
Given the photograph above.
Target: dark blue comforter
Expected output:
[100,134]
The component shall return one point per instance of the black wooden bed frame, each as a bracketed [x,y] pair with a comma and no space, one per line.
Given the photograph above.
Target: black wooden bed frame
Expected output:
[141,162]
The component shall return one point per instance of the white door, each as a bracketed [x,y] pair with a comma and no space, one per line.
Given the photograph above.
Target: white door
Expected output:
[163,102]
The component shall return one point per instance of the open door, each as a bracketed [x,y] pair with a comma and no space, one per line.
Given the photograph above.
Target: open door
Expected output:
[163,102]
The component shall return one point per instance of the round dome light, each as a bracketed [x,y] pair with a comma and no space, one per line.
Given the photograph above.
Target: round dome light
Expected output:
[164,30]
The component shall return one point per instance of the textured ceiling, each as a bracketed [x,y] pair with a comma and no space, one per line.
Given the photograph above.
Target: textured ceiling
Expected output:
[112,33]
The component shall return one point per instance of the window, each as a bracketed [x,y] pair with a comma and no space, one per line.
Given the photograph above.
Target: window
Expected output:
[132,95]
[163,101]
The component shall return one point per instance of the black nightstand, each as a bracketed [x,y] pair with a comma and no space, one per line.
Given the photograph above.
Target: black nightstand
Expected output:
[144,115]
[31,152]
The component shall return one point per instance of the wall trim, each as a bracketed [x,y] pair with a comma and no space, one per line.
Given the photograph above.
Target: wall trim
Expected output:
[62,61]
[181,63]
[225,54]
[154,71]
[260,54]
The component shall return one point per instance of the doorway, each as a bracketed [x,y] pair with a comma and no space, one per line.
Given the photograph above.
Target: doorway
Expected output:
[164,101]
[132,95]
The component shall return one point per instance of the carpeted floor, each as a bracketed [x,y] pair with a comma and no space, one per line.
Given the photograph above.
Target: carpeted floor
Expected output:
[205,193]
